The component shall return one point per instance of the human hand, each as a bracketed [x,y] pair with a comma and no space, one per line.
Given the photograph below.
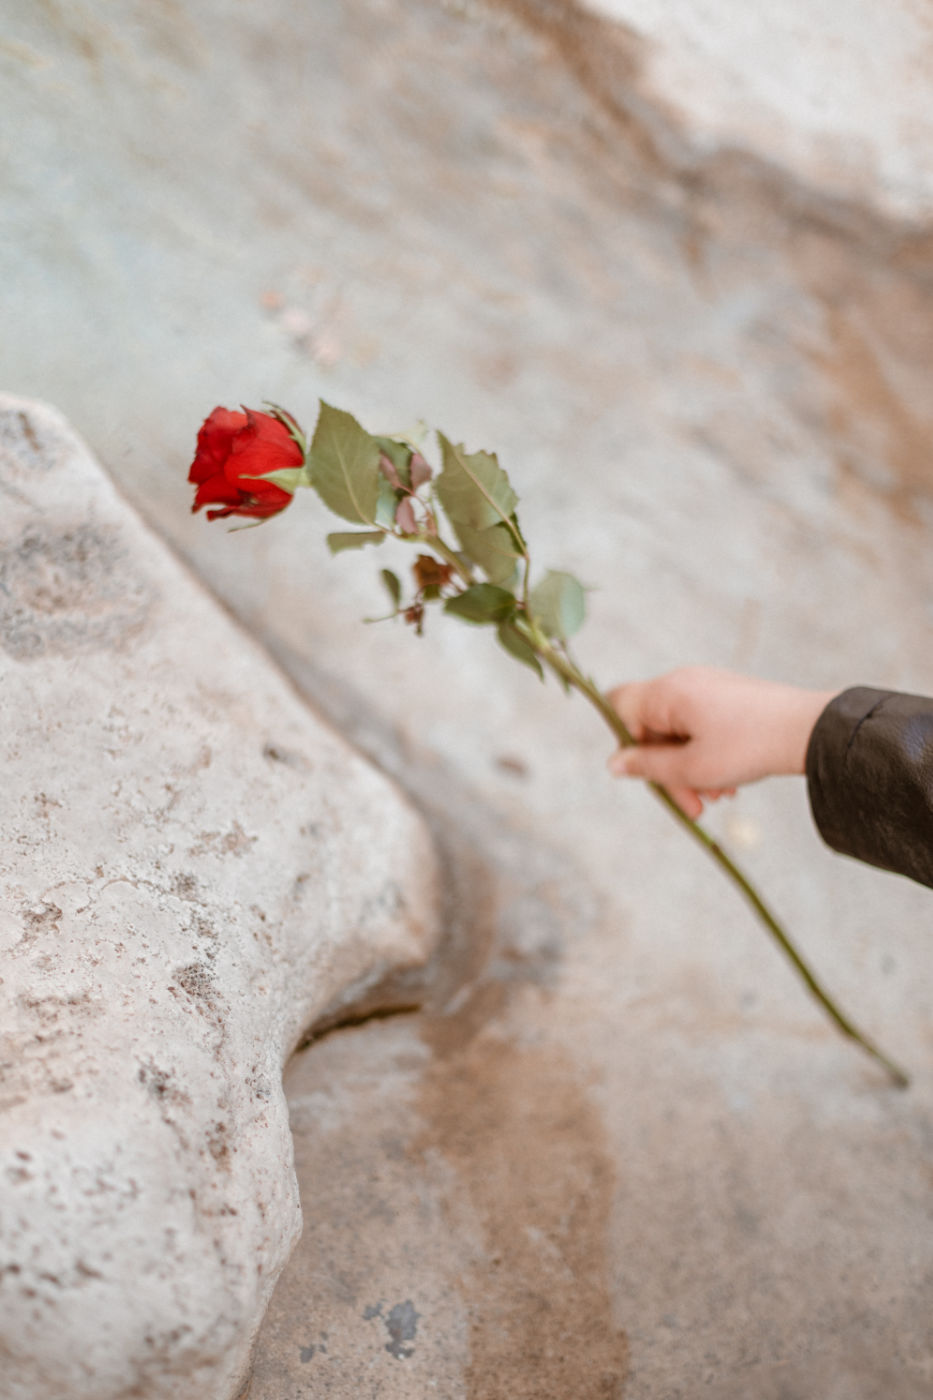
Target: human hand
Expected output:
[701,732]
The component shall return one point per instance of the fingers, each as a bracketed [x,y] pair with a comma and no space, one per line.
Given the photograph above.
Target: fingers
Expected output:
[658,763]
[664,764]
[689,801]
[628,703]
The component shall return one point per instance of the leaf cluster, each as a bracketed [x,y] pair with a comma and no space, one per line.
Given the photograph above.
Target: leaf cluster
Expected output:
[383,486]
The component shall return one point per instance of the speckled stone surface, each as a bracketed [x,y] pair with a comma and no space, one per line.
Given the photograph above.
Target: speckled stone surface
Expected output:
[194,870]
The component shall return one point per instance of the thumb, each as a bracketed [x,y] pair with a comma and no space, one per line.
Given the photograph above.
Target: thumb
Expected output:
[658,763]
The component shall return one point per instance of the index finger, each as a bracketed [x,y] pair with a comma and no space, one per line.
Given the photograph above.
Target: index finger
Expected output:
[628,702]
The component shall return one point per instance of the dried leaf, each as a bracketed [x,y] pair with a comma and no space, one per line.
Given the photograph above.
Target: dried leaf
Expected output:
[482,602]
[345,466]
[353,539]
[430,572]
[473,488]
[415,615]
[558,604]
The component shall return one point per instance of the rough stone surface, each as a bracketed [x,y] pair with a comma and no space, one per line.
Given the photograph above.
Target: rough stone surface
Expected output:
[194,871]
[708,377]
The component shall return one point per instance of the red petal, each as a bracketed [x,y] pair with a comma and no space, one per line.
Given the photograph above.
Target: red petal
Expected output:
[257,509]
[265,445]
[215,441]
[217,490]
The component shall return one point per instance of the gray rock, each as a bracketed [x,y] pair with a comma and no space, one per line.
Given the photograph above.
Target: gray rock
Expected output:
[194,870]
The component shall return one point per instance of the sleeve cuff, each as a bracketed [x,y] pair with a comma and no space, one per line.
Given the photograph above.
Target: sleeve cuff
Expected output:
[869,770]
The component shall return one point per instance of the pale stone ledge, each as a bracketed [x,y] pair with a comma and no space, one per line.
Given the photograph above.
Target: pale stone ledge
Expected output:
[193,870]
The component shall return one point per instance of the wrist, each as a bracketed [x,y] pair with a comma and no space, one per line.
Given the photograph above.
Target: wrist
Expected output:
[802,709]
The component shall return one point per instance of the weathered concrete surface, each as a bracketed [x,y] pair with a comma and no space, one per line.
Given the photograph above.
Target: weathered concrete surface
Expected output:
[709,382]
[842,95]
[193,872]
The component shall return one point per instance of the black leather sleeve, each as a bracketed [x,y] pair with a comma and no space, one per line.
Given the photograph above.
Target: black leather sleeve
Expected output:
[870,779]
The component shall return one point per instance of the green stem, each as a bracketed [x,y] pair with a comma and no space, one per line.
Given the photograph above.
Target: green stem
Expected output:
[565,668]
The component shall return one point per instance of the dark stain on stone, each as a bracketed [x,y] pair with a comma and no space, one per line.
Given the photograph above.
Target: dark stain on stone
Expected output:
[605,58]
[185,886]
[162,1087]
[313,1349]
[528,1147]
[23,446]
[155,1080]
[871,415]
[29,432]
[402,1325]
[43,918]
[234,842]
[201,928]
[197,980]
[290,758]
[218,1144]
[515,767]
[67,591]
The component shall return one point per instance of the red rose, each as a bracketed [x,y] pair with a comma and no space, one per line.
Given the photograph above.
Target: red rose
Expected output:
[234,449]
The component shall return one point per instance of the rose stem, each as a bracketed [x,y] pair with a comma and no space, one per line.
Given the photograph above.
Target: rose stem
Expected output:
[565,668]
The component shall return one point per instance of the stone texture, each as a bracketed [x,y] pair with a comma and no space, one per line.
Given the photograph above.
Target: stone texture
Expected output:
[195,871]
[708,377]
[840,95]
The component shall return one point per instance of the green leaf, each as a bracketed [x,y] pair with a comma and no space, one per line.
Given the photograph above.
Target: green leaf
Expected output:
[481,602]
[400,455]
[473,488]
[558,604]
[515,644]
[289,478]
[345,466]
[493,550]
[386,502]
[353,539]
[393,586]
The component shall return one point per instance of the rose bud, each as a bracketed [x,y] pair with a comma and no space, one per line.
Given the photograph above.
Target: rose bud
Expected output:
[235,451]
[419,471]
[405,517]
